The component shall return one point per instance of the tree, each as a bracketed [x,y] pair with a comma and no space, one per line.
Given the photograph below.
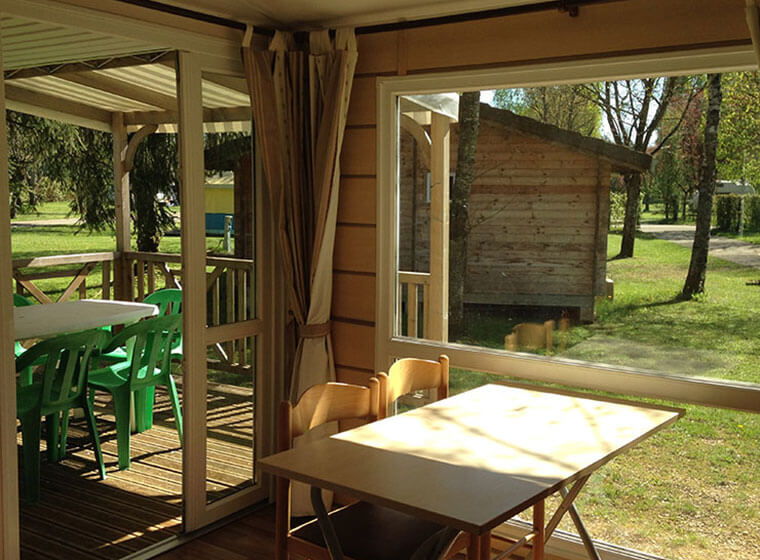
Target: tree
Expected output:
[695,279]
[634,111]
[154,172]
[739,132]
[564,106]
[459,228]
[37,154]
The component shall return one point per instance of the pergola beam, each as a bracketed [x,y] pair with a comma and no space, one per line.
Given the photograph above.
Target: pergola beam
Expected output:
[122,89]
[220,45]
[52,107]
[221,114]
[87,65]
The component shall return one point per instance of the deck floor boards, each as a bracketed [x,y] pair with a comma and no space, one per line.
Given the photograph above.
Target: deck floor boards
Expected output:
[80,516]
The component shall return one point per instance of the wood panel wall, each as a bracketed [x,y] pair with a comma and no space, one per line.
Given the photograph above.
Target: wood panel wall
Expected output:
[609,29]
[534,209]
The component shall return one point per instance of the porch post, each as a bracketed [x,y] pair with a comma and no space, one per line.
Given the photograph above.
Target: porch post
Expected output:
[439,227]
[192,203]
[122,279]
[9,535]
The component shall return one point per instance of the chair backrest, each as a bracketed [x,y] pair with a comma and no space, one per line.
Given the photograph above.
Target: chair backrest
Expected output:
[168,300]
[320,404]
[412,374]
[531,335]
[323,403]
[148,344]
[65,359]
[20,301]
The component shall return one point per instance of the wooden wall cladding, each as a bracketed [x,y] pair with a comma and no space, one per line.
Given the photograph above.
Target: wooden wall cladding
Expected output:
[354,345]
[357,204]
[353,296]
[359,155]
[610,28]
[354,249]
[362,109]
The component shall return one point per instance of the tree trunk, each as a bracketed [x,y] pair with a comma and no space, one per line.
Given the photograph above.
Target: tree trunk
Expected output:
[695,279]
[469,123]
[633,191]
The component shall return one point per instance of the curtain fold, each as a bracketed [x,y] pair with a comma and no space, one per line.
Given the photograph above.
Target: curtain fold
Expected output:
[299,95]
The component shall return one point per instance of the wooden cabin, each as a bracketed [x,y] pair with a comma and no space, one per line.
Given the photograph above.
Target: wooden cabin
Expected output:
[131,68]
[539,209]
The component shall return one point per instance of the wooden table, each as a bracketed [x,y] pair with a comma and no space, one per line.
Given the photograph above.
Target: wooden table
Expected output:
[477,459]
[50,319]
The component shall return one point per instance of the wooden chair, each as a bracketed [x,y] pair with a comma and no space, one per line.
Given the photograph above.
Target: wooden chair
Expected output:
[531,336]
[412,374]
[364,531]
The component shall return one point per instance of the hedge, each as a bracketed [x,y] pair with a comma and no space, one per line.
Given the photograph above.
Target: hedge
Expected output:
[727,212]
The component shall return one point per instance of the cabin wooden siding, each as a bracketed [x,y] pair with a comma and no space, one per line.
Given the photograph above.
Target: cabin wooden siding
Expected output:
[602,30]
[535,208]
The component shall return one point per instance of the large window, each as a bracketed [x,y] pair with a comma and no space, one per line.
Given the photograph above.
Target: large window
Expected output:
[538,293]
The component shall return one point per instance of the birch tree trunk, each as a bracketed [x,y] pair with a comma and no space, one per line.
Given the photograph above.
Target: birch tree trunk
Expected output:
[695,279]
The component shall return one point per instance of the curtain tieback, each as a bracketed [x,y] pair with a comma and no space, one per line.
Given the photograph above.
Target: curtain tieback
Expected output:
[314,331]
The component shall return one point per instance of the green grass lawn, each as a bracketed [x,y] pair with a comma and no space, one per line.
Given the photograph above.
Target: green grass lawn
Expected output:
[693,490]
[46,211]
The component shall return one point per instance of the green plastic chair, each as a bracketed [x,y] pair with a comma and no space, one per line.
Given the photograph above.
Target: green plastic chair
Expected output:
[169,302]
[148,363]
[26,375]
[61,386]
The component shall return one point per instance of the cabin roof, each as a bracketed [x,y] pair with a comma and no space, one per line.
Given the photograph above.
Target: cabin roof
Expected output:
[622,159]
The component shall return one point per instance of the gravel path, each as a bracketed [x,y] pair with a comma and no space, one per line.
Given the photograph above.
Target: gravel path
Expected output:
[725,248]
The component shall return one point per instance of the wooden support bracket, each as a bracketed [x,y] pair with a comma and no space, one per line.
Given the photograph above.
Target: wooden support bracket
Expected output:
[134,142]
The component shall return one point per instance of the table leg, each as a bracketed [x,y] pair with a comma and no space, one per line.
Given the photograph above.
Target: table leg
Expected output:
[325,525]
[480,547]
[539,511]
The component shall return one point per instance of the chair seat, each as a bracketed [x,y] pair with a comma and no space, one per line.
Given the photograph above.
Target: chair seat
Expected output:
[115,375]
[369,532]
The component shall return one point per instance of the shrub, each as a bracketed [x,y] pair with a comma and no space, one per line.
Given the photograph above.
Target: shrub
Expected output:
[752,213]
[727,208]
[728,212]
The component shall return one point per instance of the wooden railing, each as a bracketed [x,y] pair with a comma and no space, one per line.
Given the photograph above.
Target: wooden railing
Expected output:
[231,314]
[27,273]
[231,320]
[413,287]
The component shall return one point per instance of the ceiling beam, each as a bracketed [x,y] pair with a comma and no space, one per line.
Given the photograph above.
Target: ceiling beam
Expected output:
[230,80]
[222,114]
[122,89]
[87,65]
[52,107]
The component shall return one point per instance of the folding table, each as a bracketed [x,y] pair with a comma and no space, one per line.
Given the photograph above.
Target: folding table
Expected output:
[476,459]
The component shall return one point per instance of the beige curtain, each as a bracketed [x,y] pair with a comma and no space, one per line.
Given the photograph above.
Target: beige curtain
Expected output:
[299,95]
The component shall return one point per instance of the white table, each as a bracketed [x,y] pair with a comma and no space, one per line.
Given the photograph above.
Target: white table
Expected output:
[475,460]
[50,319]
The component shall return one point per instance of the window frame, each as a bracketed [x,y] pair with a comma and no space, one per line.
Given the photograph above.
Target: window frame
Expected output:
[584,375]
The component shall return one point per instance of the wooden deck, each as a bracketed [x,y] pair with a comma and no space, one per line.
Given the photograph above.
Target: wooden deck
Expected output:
[80,516]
